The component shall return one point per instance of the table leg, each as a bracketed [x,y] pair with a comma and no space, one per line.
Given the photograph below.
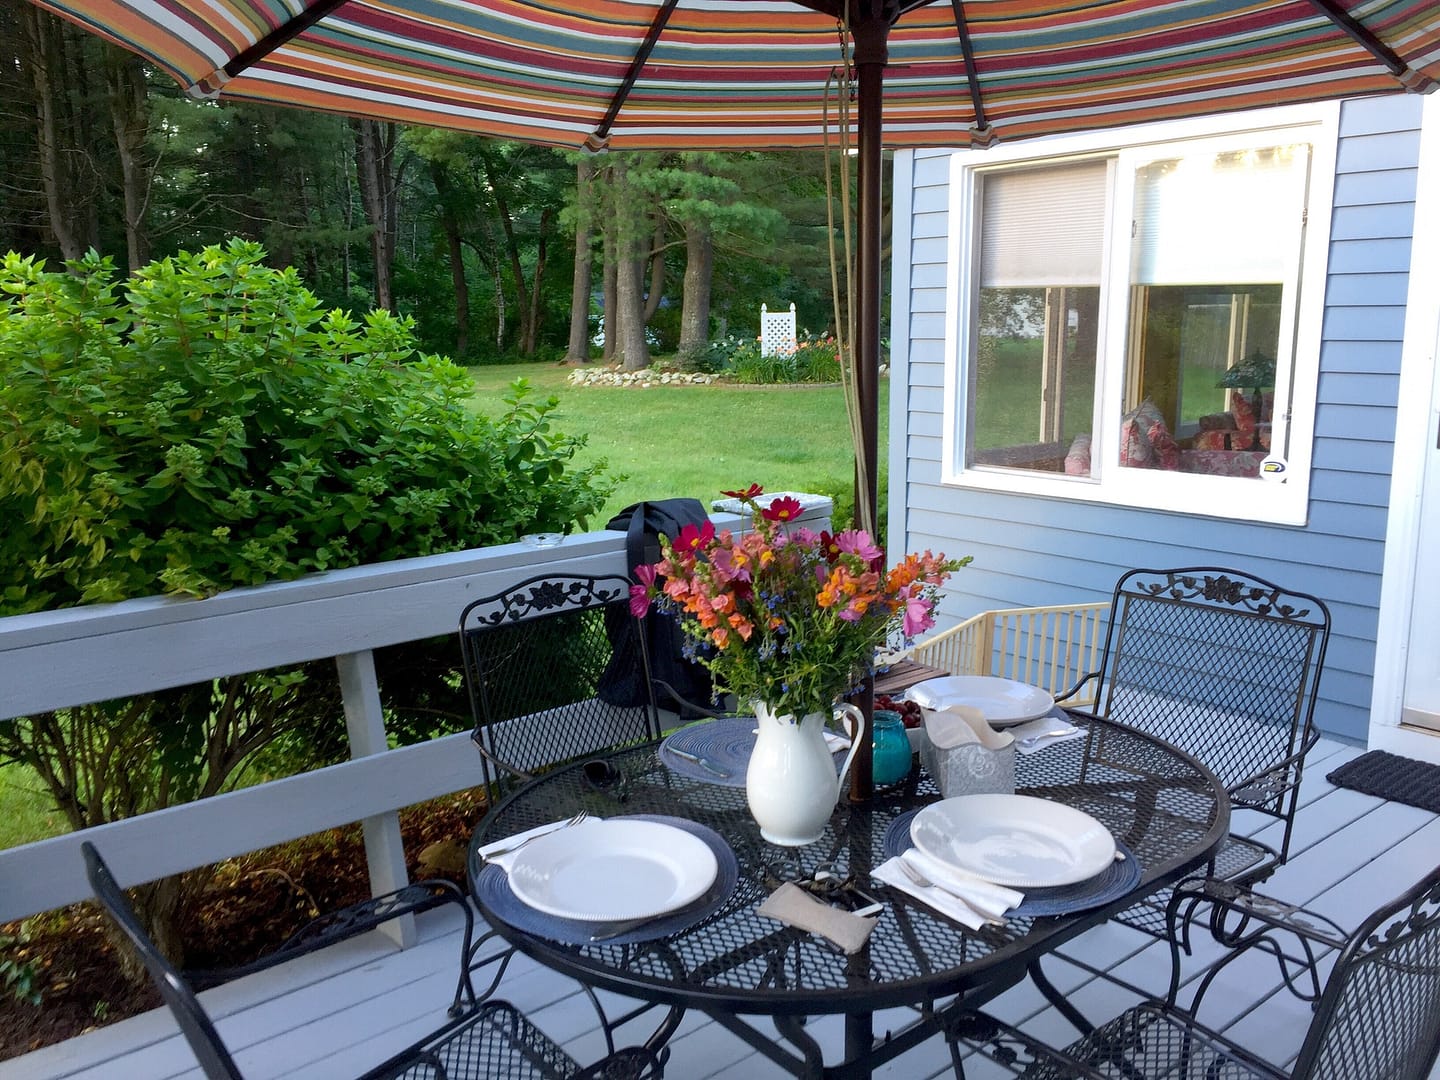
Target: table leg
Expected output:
[1052,995]
[859,1038]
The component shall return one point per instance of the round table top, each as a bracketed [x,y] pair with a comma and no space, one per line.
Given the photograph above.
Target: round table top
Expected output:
[1160,802]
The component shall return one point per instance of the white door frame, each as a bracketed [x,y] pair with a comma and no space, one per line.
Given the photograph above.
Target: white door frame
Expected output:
[1415,448]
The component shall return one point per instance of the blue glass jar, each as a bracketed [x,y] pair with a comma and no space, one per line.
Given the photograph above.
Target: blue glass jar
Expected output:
[891,762]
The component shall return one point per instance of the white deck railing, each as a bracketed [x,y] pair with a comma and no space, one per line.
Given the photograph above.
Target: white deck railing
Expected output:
[52,660]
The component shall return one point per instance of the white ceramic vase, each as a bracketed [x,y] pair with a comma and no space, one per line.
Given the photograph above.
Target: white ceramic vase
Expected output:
[791,783]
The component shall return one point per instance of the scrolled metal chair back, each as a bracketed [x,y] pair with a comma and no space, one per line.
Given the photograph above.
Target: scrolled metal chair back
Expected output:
[1379,1016]
[1221,663]
[556,669]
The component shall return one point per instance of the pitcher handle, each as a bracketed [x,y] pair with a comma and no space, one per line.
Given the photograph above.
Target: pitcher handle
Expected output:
[854,732]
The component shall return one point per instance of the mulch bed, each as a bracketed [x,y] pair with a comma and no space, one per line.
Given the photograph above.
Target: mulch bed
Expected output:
[254,903]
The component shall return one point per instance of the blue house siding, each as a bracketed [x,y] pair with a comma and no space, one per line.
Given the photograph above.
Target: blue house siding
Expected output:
[1041,550]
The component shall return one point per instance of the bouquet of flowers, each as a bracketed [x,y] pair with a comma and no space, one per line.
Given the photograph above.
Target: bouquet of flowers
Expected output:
[784,615]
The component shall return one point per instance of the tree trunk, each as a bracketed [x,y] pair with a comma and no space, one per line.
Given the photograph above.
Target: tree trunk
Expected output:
[695,306]
[130,117]
[578,351]
[529,338]
[45,43]
[630,236]
[454,244]
[498,193]
[374,155]
[657,269]
[609,295]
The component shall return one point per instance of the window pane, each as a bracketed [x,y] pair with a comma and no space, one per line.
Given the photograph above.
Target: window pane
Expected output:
[1037,314]
[1216,237]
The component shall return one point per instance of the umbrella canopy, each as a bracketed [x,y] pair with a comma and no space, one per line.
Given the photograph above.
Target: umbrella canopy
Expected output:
[744,74]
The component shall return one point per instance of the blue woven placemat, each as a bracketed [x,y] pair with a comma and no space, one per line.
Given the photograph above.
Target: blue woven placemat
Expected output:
[492,887]
[726,743]
[1113,882]
[1389,776]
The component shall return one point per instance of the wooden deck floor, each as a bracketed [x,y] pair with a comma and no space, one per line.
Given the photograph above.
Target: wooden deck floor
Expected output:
[337,1012]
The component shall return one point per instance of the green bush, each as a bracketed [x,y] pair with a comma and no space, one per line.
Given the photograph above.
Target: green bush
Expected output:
[813,359]
[204,425]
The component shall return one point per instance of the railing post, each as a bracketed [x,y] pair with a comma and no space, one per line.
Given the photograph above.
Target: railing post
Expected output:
[365,723]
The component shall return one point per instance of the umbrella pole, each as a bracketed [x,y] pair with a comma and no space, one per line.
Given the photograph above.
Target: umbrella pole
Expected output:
[870,34]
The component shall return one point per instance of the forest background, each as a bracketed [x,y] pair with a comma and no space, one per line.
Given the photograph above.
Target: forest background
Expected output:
[499,251]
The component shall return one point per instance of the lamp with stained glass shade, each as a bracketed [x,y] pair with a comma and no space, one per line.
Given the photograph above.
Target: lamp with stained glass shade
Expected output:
[1254,373]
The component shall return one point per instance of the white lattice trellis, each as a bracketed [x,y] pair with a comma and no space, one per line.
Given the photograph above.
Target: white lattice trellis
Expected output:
[777,331]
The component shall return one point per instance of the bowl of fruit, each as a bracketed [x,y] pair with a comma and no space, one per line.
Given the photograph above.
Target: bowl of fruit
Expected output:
[910,714]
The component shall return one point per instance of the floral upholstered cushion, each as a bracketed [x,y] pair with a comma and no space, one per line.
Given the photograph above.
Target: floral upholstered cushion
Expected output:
[1077,459]
[1135,452]
[1166,451]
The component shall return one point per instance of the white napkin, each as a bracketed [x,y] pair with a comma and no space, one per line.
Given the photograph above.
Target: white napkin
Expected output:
[970,901]
[1035,735]
[956,725]
[506,860]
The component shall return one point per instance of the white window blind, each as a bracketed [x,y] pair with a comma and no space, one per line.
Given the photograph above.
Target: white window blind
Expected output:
[1219,218]
[1043,227]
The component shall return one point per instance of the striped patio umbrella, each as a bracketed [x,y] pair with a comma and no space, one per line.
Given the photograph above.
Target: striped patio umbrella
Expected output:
[745,74]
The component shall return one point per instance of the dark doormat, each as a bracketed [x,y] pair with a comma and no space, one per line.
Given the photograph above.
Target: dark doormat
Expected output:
[1389,776]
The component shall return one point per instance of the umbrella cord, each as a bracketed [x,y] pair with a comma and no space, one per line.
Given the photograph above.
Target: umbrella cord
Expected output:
[840,83]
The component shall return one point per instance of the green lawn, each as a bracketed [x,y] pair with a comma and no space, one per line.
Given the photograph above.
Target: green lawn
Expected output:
[696,440]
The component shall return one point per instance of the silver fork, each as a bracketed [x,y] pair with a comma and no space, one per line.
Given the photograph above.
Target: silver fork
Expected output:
[925,883]
[510,848]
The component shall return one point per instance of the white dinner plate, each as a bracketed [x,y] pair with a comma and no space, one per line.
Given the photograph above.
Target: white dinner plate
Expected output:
[1014,840]
[1003,701]
[613,870]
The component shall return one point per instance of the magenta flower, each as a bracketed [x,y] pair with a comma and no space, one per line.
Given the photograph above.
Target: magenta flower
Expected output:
[786,509]
[640,594]
[726,568]
[694,540]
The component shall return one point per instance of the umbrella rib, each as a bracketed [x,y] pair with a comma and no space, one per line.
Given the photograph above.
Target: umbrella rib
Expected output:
[982,133]
[1362,35]
[662,16]
[280,36]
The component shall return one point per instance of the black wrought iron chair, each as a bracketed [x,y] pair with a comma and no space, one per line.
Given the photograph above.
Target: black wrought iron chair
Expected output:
[1377,1016]
[479,1041]
[557,670]
[547,682]
[1225,665]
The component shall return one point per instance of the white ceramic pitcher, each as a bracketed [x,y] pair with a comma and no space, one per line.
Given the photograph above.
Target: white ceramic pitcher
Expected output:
[791,783]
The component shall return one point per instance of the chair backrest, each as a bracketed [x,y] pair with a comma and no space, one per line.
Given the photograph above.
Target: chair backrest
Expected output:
[1221,663]
[542,658]
[1379,1016]
[194,1022]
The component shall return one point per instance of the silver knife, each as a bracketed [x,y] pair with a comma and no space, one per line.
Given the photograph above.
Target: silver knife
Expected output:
[704,763]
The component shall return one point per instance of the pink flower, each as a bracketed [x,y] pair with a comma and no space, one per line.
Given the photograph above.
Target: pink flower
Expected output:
[918,616]
[858,542]
[640,594]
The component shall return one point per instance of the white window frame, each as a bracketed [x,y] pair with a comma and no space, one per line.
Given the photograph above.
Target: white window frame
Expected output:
[1276,499]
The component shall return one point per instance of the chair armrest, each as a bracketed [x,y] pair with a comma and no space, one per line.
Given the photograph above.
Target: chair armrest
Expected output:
[1270,785]
[1241,920]
[348,922]
[1013,1049]
[1070,693]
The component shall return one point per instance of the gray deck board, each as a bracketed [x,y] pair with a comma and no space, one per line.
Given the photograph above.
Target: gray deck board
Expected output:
[335,1013]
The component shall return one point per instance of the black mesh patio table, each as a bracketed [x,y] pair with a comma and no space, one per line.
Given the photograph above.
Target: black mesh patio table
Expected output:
[1167,808]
